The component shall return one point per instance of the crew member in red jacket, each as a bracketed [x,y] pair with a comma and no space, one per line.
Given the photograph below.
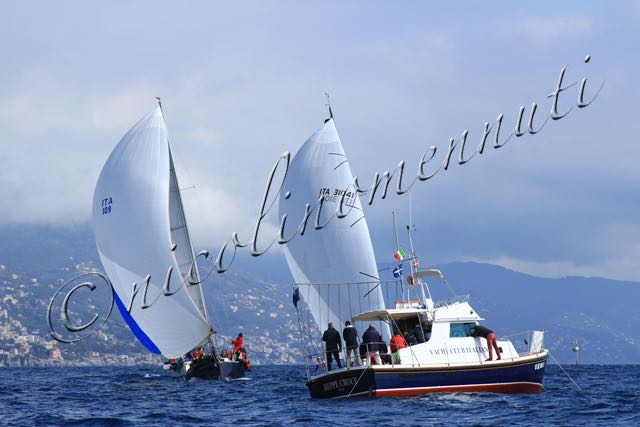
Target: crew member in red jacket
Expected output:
[197,354]
[397,342]
[237,344]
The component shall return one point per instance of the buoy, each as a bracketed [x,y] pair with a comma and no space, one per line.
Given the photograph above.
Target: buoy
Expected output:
[576,350]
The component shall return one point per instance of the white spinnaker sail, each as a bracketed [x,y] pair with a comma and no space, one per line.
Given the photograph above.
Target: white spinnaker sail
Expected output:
[334,259]
[132,228]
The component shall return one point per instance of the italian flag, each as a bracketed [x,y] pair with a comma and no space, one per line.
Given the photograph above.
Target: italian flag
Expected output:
[399,255]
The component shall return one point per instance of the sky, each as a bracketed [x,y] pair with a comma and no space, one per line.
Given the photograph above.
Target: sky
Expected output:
[242,83]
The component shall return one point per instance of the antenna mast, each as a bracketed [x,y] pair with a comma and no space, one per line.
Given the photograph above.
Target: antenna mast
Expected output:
[395,230]
[397,247]
[414,258]
[410,228]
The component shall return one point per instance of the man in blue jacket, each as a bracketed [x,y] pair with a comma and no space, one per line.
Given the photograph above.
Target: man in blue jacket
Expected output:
[350,336]
[372,339]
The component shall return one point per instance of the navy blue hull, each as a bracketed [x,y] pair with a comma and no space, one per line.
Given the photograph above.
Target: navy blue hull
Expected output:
[210,368]
[514,377]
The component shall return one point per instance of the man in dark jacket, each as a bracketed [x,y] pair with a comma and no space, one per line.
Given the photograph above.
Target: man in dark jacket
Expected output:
[333,345]
[350,336]
[492,342]
[372,339]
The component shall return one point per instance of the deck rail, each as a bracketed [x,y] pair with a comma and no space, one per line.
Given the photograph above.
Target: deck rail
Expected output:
[526,342]
[365,355]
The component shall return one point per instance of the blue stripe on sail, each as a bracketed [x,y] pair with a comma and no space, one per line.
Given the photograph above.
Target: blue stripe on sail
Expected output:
[137,331]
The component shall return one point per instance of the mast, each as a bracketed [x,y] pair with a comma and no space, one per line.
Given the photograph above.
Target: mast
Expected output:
[395,231]
[410,229]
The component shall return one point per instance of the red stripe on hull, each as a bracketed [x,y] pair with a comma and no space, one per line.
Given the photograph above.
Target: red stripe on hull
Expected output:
[505,388]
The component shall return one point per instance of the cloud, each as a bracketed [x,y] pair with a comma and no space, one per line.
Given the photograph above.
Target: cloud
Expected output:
[214,215]
[242,85]
[617,247]
[39,103]
[619,269]
[543,30]
[119,109]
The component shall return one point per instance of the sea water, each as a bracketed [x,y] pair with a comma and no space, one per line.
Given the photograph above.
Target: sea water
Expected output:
[276,395]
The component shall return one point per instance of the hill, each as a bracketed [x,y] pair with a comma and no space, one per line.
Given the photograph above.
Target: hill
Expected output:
[35,260]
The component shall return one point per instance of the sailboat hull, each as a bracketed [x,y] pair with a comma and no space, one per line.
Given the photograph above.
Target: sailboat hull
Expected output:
[210,368]
[511,377]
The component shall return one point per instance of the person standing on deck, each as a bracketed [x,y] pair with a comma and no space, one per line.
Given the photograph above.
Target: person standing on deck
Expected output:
[333,345]
[237,345]
[372,339]
[492,342]
[397,342]
[350,336]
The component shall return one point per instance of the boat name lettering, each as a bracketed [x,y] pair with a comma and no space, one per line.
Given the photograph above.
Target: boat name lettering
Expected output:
[458,350]
[338,384]
[539,366]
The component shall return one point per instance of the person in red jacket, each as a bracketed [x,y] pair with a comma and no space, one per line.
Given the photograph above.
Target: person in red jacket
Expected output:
[397,342]
[242,358]
[237,344]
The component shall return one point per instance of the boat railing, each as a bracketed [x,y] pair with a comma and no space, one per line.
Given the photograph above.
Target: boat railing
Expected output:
[390,290]
[527,342]
[453,300]
[375,353]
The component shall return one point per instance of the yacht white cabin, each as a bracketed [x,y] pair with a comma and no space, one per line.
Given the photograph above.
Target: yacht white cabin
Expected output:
[442,333]
[446,350]
[437,334]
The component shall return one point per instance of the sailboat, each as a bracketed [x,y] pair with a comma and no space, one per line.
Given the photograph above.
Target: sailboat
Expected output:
[334,268]
[448,355]
[144,244]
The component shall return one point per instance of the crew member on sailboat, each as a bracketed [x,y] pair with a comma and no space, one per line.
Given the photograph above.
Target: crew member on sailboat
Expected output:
[237,345]
[333,345]
[350,336]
